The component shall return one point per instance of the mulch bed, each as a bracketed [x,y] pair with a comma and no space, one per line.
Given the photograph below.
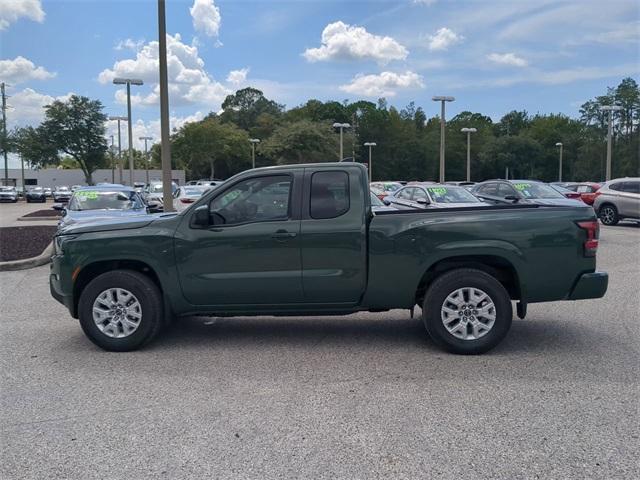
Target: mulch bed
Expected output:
[17,243]
[43,213]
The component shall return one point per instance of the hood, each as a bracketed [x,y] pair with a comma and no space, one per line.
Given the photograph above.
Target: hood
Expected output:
[70,226]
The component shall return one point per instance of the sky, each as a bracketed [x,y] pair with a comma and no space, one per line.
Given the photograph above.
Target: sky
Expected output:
[493,56]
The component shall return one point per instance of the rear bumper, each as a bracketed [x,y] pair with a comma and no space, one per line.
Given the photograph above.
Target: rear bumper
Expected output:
[590,285]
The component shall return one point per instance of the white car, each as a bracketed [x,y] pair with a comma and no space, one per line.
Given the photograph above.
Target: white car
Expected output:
[8,194]
[185,196]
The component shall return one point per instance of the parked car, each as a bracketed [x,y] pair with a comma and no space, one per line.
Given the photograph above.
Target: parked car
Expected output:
[183,197]
[48,192]
[587,190]
[91,204]
[62,194]
[432,195]
[153,195]
[520,191]
[382,189]
[139,186]
[378,205]
[618,199]
[75,187]
[8,194]
[566,192]
[299,240]
[191,182]
[36,194]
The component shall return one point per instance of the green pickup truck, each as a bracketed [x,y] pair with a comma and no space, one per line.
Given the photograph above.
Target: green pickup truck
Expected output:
[303,240]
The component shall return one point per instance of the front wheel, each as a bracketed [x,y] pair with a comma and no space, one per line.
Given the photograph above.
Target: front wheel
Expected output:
[121,310]
[467,311]
[609,215]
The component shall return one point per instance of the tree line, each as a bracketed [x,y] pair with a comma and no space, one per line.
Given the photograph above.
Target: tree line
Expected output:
[408,142]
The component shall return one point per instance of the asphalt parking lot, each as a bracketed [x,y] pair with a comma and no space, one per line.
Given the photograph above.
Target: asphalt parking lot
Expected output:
[364,396]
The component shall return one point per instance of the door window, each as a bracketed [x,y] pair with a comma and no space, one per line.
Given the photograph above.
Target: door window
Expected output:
[329,195]
[405,193]
[631,187]
[258,199]
[489,189]
[419,194]
[505,190]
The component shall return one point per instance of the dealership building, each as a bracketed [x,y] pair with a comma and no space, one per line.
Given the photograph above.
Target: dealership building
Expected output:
[54,177]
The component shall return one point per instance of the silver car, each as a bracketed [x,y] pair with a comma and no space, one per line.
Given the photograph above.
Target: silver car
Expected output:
[618,199]
[8,194]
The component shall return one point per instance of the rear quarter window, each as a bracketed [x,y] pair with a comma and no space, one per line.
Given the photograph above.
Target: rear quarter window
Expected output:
[329,195]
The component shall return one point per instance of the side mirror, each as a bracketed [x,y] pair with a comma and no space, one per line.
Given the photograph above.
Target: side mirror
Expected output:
[58,206]
[201,216]
[386,202]
[422,201]
[512,198]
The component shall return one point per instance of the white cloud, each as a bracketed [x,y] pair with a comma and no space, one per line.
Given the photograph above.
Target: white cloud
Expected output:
[236,77]
[12,10]
[424,2]
[383,85]
[206,17]
[129,44]
[341,41]
[28,107]
[443,39]
[21,70]
[189,82]
[507,59]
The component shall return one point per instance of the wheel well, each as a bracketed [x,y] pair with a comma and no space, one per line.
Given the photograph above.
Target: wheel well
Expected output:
[92,270]
[499,268]
[607,204]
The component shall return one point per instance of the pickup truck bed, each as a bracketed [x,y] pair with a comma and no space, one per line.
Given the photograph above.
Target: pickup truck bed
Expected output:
[303,240]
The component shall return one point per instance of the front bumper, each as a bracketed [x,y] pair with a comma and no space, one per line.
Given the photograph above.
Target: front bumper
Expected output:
[56,288]
[590,285]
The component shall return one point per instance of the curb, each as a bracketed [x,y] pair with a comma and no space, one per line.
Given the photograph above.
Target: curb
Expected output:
[37,219]
[26,263]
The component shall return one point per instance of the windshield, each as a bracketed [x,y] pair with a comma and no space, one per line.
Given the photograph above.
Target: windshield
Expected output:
[451,195]
[62,189]
[536,190]
[376,202]
[104,200]
[194,191]
[7,189]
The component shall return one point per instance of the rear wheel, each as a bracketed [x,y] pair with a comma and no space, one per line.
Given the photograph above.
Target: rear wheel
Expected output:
[467,311]
[609,215]
[121,310]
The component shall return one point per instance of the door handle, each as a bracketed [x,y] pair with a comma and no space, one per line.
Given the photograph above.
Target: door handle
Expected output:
[283,235]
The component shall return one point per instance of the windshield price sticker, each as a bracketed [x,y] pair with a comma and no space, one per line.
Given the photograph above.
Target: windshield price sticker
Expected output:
[87,194]
[438,190]
[522,186]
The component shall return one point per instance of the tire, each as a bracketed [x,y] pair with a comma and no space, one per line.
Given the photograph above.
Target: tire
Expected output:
[608,214]
[150,311]
[465,281]
[28,201]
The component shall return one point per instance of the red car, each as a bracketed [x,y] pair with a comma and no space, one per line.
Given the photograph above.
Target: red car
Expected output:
[587,191]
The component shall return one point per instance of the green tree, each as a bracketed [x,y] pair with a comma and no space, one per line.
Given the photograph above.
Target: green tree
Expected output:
[245,106]
[301,142]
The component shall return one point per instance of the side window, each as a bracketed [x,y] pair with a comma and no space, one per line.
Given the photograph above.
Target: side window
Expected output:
[406,193]
[632,187]
[258,199]
[584,189]
[489,189]
[618,187]
[329,195]
[419,194]
[504,190]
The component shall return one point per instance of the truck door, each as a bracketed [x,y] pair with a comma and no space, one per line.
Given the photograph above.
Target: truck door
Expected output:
[251,255]
[333,236]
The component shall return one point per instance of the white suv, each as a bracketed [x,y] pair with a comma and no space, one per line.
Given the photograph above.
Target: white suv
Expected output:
[618,199]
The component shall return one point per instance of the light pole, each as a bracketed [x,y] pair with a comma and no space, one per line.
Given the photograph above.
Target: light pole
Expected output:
[113,163]
[341,126]
[253,141]
[370,145]
[146,154]
[442,100]
[559,144]
[468,131]
[128,82]
[610,109]
[165,141]
[119,119]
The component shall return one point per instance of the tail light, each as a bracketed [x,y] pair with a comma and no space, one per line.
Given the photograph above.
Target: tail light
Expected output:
[186,200]
[593,233]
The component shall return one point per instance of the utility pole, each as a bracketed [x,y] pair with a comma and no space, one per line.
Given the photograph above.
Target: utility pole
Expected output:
[4,133]
[442,100]
[146,155]
[341,126]
[165,143]
[113,163]
[559,144]
[370,145]
[119,119]
[468,131]
[128,82]
[610,109]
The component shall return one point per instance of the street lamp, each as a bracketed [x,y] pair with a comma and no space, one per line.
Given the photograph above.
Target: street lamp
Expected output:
[341,126]
[442,100]
[610,109]
[559,144]
[253,141]
[128,82]
[468,131]
[119,119]
[370,145]
[146,154]
[113,163]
